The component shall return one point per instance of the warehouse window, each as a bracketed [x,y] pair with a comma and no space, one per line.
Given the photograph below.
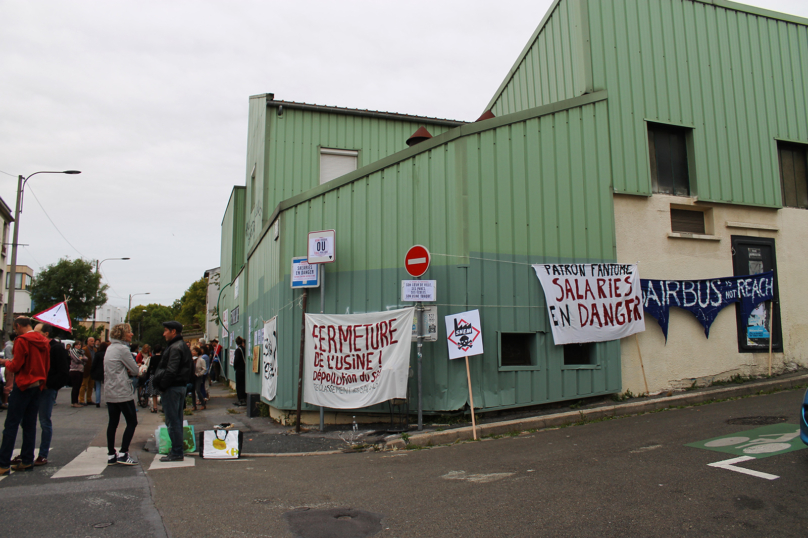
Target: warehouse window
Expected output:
[793,174]
[517,349]
[579,354]
[667,146]
[336,162]
[687,221]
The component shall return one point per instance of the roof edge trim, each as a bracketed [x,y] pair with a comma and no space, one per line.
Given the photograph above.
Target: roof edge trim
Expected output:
[754,10]
[364,113]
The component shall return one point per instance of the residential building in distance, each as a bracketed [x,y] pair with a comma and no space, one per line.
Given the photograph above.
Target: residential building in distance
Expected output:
[22,295]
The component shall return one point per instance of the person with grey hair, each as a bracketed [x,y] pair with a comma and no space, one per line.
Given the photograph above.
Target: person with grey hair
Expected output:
[120,395]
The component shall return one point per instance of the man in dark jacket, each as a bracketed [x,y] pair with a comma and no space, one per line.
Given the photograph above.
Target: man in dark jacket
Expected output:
[171,378]
[58,377]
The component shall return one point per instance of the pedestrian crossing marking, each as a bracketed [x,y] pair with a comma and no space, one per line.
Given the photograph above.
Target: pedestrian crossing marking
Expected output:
[92,461]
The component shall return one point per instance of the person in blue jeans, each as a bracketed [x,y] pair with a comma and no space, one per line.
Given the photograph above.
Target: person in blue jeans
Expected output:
[171,378]
[58,377]
[30,368]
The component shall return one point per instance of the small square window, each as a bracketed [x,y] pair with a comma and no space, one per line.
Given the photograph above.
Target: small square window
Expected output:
[687,221]
[336,162]
[793,174]
[667,146]
[579,354]
[516,349]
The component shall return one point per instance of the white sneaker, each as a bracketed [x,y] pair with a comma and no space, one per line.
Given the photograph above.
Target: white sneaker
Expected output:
[126,459]
[112,459]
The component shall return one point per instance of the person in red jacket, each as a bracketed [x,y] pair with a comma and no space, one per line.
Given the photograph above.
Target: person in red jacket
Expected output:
[30,366]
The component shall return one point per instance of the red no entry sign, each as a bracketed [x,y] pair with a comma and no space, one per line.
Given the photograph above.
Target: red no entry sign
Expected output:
[416,262]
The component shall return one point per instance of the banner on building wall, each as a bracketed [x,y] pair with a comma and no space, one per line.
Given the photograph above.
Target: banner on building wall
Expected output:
[269,377]
[706,298]
[357,360]
[592,302]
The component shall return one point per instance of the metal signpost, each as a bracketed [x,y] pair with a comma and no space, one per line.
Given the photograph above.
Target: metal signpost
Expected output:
[416,262]
[321,250]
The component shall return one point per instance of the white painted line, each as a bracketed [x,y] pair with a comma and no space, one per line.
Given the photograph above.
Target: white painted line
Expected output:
[416,260]
[157,464]
[730,466]
[91,462]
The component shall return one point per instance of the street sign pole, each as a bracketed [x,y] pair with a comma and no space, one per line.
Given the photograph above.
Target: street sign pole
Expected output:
[420,308]
[322,311]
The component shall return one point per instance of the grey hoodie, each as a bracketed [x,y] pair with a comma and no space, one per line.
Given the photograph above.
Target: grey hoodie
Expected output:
[118,367]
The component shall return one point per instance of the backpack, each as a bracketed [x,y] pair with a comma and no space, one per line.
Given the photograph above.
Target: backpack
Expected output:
[59,373]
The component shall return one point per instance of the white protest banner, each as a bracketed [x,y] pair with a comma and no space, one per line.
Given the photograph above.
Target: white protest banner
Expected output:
[592,302]
[464,334]
[357,360]
[269,379]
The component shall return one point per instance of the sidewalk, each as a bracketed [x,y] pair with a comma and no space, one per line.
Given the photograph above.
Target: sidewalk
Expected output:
[263,437]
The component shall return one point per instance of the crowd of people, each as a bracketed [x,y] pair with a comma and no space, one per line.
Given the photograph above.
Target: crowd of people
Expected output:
[37,366]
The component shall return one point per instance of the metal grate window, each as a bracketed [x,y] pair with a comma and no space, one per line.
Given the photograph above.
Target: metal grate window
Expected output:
[686,221]
[515,349]
[667,147]
[578,354]
[793,174]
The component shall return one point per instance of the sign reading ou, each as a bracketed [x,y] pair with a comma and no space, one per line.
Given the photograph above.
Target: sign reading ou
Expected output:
[322,247]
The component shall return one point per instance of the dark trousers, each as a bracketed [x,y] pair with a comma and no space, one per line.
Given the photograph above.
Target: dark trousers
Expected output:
[23,408]
[173,402]
[241,389]
[76,379]
[115,410]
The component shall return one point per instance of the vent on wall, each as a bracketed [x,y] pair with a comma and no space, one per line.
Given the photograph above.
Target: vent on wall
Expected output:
[686,221]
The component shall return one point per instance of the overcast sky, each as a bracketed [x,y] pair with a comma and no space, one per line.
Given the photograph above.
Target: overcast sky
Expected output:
[149,100]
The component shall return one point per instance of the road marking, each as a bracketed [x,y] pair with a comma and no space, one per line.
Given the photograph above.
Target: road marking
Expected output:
[90,462]
[645,449]
[487,477]
[730,466]
[157,464]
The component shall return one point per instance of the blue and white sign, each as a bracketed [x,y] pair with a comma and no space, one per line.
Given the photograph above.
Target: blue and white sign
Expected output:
[304,274]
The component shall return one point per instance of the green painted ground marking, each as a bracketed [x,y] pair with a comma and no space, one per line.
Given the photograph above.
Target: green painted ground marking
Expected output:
[758,443]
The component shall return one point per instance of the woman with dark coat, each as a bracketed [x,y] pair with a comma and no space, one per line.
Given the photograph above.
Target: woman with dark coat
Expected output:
[97,371]
[239,365]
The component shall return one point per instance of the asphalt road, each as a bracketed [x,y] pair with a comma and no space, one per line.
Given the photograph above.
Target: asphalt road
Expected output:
[630,476]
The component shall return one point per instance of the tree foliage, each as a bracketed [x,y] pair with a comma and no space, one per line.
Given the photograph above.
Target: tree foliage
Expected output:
[193,309]
[74,280]
[148,325]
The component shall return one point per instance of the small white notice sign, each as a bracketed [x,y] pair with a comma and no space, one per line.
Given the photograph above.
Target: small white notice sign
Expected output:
[322,247]
[419,290]
[304,274]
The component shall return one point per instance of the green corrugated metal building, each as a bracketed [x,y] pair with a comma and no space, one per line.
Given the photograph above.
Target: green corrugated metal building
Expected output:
[535,184]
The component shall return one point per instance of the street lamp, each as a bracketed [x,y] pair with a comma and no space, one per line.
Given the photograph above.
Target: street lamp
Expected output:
[130,303]
[21,181]
[97,264]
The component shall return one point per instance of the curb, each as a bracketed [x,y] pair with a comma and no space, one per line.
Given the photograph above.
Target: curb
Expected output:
[395,442]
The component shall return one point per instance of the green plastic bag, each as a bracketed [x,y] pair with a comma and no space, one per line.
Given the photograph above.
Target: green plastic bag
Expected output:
[164,442]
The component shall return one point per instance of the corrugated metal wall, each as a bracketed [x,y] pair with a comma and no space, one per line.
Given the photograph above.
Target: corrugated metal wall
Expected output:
[740,80]
[256,159]
[487,205]
[550,68]
[293,156]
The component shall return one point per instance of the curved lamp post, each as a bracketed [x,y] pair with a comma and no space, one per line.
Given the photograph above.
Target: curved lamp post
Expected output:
[12,274]
[97,265]
[130,303]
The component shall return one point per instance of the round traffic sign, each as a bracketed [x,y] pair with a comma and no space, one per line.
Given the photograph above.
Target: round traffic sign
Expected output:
[416,262]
